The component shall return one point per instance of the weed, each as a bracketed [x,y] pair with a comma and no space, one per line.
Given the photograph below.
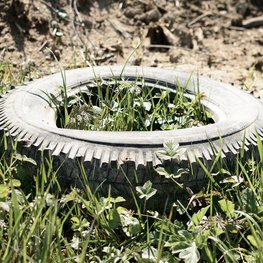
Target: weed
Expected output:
[9,76]
[41,222]
[130,105]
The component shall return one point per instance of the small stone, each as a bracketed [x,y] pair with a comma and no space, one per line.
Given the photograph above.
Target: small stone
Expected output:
[259,65]
[185,36]
[151,16]
[175,56]
[131,12]
[242,8]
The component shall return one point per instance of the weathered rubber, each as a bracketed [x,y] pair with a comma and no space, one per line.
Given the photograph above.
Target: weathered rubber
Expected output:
[26,114]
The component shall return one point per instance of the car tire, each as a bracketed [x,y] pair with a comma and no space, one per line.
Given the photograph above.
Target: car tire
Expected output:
[27,115]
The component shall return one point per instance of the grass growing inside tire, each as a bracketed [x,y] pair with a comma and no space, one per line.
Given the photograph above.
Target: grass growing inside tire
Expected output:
[125,105]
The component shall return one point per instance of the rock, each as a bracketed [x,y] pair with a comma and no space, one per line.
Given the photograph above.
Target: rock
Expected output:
[151,16]
[259,65]
[172,39]
[259,40]
[131,12]
[257,3]
[242,8]
[161,35]
[199,35]
[237,21]
[169,20]
[175,56]
[185,36]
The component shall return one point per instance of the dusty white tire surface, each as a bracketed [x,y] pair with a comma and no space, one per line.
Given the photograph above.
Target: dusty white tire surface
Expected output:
[26,114]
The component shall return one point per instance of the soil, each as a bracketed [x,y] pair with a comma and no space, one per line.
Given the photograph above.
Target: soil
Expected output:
[222,39]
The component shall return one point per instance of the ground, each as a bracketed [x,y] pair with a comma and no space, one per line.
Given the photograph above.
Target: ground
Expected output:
[222,39]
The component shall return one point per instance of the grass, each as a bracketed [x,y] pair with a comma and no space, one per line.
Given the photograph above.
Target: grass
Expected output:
[42,222]
[131,105]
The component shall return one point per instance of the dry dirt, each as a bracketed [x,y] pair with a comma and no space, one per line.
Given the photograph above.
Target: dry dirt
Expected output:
[222,38]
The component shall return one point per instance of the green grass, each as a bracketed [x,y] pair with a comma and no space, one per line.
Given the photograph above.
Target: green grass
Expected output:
[42,222]
[12,75]
[125,105]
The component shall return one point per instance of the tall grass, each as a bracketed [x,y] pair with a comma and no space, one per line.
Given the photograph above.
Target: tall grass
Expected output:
[10,76]
[42,222]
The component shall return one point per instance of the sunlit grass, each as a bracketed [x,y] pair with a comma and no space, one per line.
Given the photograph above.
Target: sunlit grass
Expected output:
[40,221]
[222,222]
[130,105]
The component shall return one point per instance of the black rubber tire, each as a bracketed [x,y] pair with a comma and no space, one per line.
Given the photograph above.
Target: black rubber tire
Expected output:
[26,114]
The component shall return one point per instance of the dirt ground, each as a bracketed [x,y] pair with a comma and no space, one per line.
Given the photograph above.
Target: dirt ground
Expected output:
[222,38]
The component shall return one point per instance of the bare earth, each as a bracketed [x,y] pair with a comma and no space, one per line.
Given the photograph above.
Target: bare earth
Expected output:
[222,39]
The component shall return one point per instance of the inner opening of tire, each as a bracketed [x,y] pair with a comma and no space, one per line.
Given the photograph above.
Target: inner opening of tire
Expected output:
[130,104]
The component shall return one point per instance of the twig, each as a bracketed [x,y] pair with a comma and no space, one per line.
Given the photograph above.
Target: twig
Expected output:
[175,47]
[54,10]
[237,28]
[73,4]
[20,29]
[77,11]
[57,12]
[118,29]
[3,52]
[253,22]
[42,46]
[198,18]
